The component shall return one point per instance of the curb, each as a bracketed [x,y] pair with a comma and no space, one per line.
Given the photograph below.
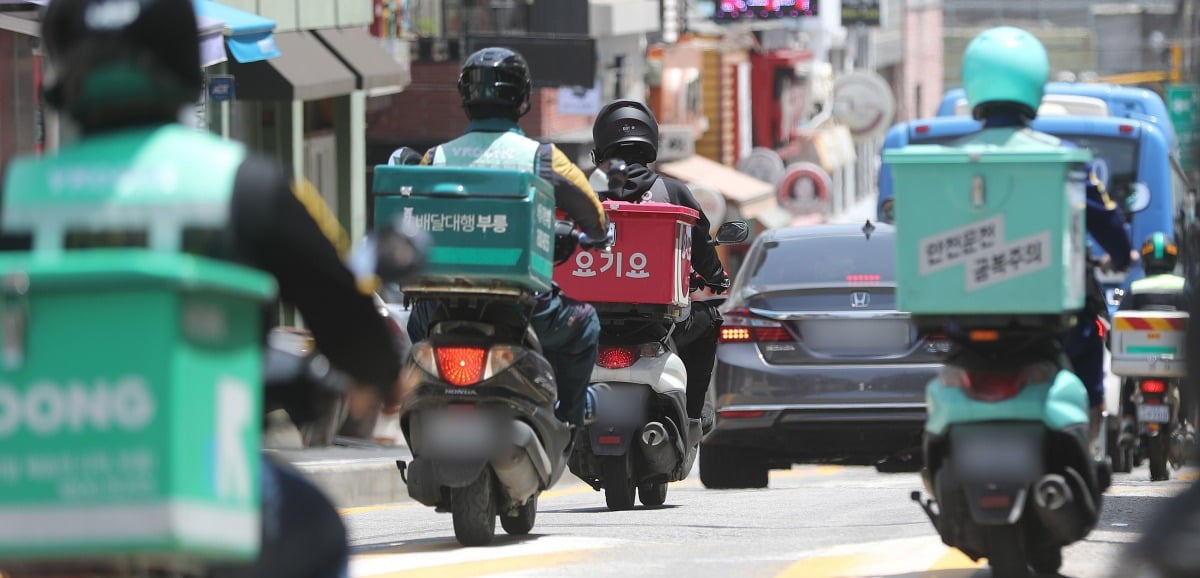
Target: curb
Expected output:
[357,483]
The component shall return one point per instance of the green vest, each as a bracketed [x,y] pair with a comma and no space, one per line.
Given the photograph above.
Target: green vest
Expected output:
[154,184]
[493,150]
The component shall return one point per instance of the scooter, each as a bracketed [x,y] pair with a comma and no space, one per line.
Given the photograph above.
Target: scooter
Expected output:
[1007,452]
[1160,432]
[639,434]
[479,396]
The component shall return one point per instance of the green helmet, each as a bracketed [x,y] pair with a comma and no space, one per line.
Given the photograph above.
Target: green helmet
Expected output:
[1005,68]
[1159,254]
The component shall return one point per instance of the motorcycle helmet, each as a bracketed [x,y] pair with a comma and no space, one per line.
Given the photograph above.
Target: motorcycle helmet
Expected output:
[625,123]
[1159,254]
[494,82]
[1005,68]
[117,61]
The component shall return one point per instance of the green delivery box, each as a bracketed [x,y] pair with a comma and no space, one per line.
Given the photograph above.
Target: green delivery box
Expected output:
[490,227]
[992,225]
[130,405]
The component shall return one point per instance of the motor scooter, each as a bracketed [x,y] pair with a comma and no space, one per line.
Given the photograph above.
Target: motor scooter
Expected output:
[479,396]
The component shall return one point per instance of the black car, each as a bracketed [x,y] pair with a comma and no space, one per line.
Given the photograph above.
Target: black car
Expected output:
[815,364]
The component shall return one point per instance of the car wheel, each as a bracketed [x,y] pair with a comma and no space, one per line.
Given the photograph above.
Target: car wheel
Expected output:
[722,468]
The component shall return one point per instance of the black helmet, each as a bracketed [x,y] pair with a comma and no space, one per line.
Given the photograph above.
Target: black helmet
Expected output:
[625,122]
[134,58]
[494,82]
[1159,254]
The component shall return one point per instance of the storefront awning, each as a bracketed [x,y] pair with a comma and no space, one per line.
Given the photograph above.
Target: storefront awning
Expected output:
[750,195]
[250,37]
[376,70]
[212,41]
[306,71]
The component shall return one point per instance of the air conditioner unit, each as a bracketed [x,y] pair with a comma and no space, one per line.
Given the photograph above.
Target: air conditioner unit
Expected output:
[676,142]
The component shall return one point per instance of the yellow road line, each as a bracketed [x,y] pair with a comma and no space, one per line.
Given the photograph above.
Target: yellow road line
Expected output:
[823,567]
[486,567]
[954,559]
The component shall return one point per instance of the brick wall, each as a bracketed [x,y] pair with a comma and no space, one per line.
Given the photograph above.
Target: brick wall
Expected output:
[428,111]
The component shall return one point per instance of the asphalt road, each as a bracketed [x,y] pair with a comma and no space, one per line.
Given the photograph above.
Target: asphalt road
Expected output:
[812,522]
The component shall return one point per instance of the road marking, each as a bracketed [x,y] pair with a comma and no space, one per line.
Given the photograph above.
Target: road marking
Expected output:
[445,558]
[954,559]
[486,567]
[823,567]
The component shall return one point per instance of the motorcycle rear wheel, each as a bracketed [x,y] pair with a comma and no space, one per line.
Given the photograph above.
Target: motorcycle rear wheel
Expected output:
[653,494]
[619,485]
[473,508]
[1158,448]
[522,523]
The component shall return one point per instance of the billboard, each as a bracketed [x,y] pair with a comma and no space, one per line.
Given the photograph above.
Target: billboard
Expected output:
[741,10]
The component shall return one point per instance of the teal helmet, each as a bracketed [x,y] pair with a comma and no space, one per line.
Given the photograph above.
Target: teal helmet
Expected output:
[1005,68]
[1159,254]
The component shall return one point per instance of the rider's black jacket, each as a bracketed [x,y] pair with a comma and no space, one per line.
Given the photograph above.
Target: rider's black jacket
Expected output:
[705,260]
[271,230]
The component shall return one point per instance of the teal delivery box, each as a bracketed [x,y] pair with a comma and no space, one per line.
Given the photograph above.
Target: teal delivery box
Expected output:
[993,225]
[490,227]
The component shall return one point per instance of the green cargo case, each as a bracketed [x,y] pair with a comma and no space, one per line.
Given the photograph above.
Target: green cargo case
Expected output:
[490,227]
[130,405]
[992,225]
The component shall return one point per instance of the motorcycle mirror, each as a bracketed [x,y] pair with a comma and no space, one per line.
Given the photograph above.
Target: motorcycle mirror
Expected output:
[733,232]
[400,251]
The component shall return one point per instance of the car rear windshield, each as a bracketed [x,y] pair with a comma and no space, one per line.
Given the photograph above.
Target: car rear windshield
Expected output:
[831,260]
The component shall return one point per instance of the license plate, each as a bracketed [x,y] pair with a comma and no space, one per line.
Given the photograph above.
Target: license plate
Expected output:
[997,456]
[1154,413]
[457,432]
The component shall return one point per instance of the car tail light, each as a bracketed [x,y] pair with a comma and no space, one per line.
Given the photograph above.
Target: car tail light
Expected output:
[863,279]
[742,326]
[996,384]
[741,413]
[461,366]
[922,129]
[1154,386]
[1126,129]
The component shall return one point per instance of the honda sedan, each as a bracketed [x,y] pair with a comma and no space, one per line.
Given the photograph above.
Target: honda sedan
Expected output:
[815,364]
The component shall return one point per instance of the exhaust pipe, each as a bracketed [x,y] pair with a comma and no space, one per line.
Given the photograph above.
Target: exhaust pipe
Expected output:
[1059,509]
[659,453]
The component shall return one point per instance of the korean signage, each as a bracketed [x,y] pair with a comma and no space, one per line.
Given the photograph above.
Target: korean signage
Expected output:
[988,259]
[860,12]
[1183,107]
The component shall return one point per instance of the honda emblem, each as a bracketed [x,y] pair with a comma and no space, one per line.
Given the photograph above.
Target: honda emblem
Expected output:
[860,299]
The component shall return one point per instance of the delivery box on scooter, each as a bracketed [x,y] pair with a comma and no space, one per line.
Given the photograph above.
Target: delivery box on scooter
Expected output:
[650,264]
[130,405]
[993,225]
[489,227]
[1149,343]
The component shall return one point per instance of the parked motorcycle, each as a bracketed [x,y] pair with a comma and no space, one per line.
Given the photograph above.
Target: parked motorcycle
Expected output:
[1147,350]
[479,395]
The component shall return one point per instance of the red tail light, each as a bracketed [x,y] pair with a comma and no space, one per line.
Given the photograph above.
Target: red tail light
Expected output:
[1126,129]
[1154,386]
[863,279]
[996,385]
[922,128]
[461,366]
[617,357]
[742,326]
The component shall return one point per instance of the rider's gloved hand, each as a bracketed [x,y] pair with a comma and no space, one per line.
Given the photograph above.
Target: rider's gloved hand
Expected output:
[610,236]
[719,283]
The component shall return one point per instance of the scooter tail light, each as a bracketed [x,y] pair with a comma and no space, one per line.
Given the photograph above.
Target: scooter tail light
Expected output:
[1153,386]
[618,357]
[461,366]
[986,385]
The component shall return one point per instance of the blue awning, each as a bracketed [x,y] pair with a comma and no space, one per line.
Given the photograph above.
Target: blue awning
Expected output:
[250,37]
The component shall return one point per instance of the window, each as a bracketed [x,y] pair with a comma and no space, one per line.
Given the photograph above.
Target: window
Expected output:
[466,17]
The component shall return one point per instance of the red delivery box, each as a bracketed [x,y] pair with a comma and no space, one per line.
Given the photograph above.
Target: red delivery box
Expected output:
[650,263]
